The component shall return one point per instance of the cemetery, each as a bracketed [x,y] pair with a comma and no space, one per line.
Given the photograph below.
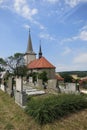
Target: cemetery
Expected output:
[22,89]
[36,99]
[32,76]
[34,86]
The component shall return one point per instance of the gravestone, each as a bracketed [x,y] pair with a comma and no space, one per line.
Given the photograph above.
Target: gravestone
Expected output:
[52,84]
[71,87]
[19,84]
[3,87]
[10,90]
[30,80]
[39,83]
[20,95]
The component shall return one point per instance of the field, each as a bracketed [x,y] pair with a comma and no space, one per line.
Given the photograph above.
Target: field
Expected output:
[12,117]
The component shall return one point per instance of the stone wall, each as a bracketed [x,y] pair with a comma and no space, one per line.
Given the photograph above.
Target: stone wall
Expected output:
[68,88]
[50,72]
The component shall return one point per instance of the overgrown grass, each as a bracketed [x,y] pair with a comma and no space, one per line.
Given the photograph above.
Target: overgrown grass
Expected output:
[46,110]
[12,117]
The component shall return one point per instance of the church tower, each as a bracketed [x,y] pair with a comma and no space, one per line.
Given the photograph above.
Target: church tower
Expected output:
[29,55]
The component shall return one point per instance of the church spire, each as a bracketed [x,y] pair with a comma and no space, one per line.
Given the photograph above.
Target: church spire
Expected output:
[29,47]
[40,51]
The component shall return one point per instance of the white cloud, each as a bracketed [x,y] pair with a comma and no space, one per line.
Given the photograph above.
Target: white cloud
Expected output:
[26,26]
[73,3]
[83,28]
[51,1]
[66,40]
[81,36]
[46,36]
[81,58]
[70,67]
[42,27]
[65,67]
[1,1]
[67,50]
[21,7]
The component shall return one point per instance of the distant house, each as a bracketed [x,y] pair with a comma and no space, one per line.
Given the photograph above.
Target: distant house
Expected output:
[59,78]
[74,76]
[83,82]
[40,64]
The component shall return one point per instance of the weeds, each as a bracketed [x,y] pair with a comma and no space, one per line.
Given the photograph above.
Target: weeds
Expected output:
[46,110]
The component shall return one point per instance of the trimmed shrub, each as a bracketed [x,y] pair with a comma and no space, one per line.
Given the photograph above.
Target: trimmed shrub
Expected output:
[46,110]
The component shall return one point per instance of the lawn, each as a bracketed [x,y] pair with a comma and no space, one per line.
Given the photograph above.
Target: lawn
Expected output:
[12,117]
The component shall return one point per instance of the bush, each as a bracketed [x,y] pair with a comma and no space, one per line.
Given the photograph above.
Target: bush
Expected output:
[46,110]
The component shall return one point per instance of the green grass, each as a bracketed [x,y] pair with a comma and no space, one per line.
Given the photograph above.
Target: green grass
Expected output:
[47,110]
[12,117]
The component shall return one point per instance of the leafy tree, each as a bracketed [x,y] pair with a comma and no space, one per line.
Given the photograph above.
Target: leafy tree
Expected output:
[21,71]
[84,84]
[33,75]
[15,64]
[78,73]
[15,60]
[2,64]
[43,76]
[67,77]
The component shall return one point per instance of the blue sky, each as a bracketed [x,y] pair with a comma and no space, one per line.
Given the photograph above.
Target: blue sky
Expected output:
[61,25]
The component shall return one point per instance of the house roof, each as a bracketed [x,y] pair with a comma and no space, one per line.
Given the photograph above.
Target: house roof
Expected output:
[40,63]
[83,80]
[59,78]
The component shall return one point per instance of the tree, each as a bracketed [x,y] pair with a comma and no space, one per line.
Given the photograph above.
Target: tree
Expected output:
[21,70]
[43,76]
[2,64]
[15,60]
[67,77]
[84,84]
[16,63]
[33,75]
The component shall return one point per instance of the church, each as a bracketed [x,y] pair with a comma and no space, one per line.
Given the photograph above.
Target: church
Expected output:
[39,64]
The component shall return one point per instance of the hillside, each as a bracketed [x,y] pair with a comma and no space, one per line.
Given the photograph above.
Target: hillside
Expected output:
[12,117]
[78,73]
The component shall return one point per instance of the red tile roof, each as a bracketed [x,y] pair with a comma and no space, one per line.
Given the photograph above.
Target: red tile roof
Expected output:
[83,80]
[59,78]
[40,63]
